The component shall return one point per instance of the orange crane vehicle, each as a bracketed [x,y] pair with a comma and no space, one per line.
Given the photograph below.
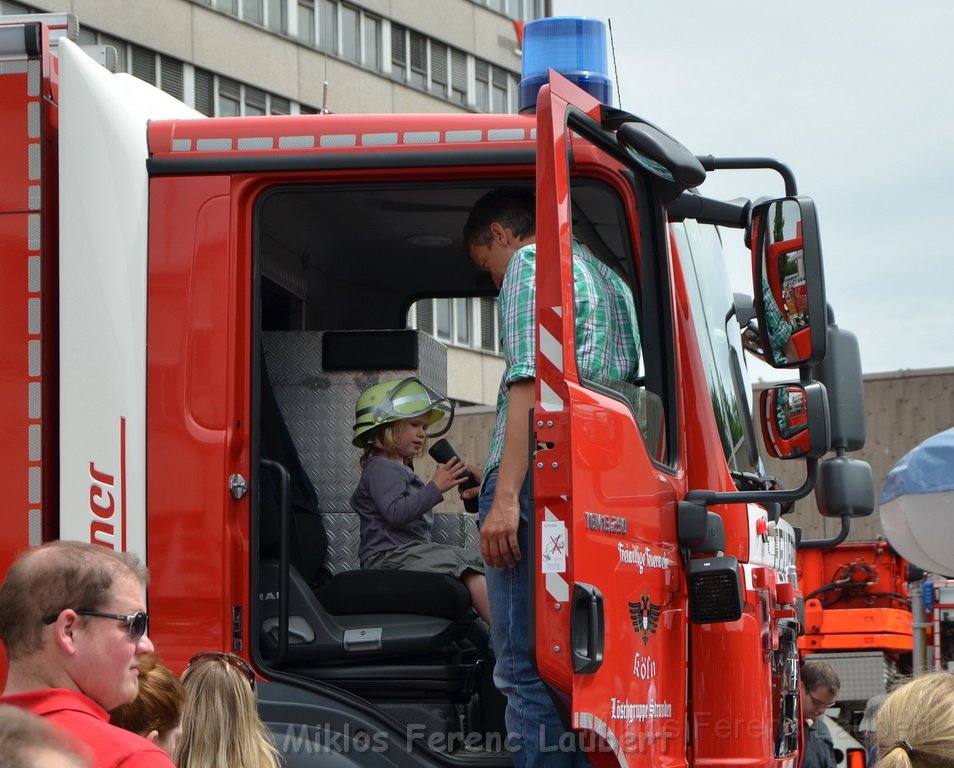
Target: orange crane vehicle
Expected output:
[190,307]
[858,619]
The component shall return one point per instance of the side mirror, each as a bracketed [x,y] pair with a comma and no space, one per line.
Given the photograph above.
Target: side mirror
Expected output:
[840,372]
[660,154]
[795,421]
[789,282]
[844,487]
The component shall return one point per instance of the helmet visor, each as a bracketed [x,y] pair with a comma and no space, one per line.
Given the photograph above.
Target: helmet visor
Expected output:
[411,398]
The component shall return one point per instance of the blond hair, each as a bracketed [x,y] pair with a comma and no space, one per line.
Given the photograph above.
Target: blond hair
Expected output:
[221,727]
[915,724]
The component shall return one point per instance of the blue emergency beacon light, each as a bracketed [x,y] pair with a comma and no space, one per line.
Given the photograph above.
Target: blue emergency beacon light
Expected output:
[574,47]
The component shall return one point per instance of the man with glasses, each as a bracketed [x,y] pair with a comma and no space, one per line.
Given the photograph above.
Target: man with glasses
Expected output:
[74,624]
[819,690]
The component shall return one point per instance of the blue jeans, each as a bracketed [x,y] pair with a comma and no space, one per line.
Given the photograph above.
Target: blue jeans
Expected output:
[533,725]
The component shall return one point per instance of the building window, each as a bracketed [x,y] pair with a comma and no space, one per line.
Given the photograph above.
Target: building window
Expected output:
[372,42]
[306,21]
[144,64]
[253,12]
[171,77]
[417,59]
[276,15]
[525,10]
[398,52]
[439,70]
[204,88]
[327,26]
[458,76]
[462,322]
[230,98]
[254,101]
[279,106]
[443,320]
[495,88]
[489,339]
[350,34]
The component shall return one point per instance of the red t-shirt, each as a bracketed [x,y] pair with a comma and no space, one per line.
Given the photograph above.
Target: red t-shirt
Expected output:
[88,723]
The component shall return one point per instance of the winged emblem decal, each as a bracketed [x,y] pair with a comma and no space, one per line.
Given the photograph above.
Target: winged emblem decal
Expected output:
[645,617]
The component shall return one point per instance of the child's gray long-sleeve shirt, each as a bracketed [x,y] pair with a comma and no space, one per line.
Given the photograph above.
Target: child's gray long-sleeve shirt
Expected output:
[394,506]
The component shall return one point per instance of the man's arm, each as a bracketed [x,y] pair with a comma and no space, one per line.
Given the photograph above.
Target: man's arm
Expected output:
[498,534]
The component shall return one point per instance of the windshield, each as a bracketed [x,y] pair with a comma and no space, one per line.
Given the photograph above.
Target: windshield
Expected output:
[707,283]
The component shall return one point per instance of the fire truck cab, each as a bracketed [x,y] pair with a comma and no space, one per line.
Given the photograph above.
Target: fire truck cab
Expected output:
[205,298]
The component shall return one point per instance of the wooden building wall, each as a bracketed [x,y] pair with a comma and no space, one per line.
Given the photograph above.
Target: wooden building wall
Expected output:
[902,409]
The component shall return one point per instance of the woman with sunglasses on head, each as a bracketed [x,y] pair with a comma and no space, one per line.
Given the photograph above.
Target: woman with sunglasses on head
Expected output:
[221,727]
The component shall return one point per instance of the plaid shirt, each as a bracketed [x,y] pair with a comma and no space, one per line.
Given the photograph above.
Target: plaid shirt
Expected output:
[607,334]
[779,329]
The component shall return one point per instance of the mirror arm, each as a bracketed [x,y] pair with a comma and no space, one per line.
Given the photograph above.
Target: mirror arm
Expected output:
[824,543]
[707,498]
[705,210]
[711,163]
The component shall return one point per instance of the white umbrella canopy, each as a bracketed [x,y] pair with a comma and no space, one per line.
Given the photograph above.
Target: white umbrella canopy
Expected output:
[917,505]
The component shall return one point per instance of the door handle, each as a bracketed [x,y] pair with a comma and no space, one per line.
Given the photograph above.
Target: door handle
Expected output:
[587,630]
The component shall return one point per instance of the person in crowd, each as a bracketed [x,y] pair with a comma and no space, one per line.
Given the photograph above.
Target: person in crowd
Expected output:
[393,503]
[29,741]
[915,724]
[867,726]
[156,712]
[819,690]
[74,624]
[221,727]
[499,237]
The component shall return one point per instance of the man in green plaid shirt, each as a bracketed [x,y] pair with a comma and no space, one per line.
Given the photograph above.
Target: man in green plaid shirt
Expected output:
[499,236]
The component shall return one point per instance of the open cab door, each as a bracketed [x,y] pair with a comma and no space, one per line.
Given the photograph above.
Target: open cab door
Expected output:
[610,616]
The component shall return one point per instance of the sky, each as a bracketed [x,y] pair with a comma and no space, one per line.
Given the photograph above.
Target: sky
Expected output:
[857,98]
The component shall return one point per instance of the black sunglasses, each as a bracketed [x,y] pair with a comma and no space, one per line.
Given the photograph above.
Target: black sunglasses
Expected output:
[237,662]
[138,622]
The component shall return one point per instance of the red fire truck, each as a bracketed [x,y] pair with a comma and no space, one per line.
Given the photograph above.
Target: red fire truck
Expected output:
[190,306]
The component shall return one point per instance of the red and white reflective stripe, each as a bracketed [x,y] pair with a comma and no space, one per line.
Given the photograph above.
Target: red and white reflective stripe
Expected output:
[587,721]
[557,586]
[333,140]
[551,359]
[34,305]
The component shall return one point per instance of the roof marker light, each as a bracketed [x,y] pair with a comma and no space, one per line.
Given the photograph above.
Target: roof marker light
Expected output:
[574,47]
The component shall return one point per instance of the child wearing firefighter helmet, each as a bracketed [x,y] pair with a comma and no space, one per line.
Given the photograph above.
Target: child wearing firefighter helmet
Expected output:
[393,420]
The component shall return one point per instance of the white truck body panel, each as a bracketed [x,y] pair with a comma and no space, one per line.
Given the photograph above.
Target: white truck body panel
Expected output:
[103,200]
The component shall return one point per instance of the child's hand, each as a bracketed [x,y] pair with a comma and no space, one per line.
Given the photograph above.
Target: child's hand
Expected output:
[449,475]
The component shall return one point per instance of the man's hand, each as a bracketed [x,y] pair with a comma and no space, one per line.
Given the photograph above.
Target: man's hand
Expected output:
[498,534]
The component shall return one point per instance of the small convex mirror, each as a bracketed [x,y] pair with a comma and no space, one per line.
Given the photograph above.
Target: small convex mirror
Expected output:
[795,421]
[789,282]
